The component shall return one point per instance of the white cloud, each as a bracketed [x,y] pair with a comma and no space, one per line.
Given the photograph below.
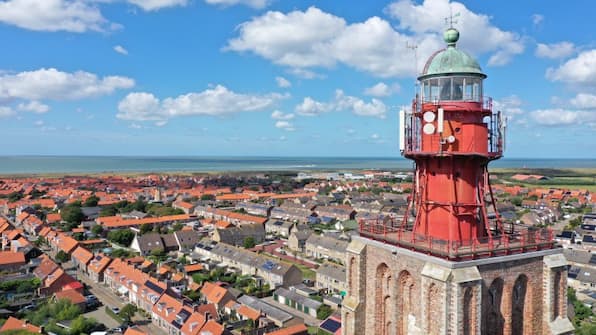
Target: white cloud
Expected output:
[258,4]
[216,101]
[302,40]
[578,70]
[584,101]
[510,105]
[297,39]
[555,50]
[285,125]
[375,108]
[53,15]
[57,85]
[277,115]
[537,19]
[39,123]
[33,106]
[311,107]
[6,111]
[120,49]
[478,35]
[151,5]
[283,82]
[382,90]
[563,117]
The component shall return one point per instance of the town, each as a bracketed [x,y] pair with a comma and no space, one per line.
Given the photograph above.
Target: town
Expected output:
[237,253]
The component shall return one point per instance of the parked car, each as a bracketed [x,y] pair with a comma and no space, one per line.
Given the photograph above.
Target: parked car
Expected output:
[116,310]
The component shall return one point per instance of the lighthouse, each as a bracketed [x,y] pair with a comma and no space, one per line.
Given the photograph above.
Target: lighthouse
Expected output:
[448,267]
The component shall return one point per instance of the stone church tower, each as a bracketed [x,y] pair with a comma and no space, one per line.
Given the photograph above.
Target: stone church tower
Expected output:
[451,268]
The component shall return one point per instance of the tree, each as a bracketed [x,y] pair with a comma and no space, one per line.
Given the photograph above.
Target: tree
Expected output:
[97,230]
[15,196]
[82,325]
[177,226]
[128,311]
[72,213]
[145,228]
[517,201]
[207,197]
[249,242]
[122,237]
[92,201]
[323,312]
[62,257]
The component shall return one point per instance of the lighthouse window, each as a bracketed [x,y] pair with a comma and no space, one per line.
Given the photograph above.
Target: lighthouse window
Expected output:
[468,89]
[445,88]
[434,89]
[458,89]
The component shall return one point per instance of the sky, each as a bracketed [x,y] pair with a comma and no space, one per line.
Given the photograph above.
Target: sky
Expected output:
[280,77]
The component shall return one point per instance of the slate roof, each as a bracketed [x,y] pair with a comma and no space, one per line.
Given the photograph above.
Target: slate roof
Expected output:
[332,270]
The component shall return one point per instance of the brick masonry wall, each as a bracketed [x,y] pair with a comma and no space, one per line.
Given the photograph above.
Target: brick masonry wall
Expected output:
[394,297]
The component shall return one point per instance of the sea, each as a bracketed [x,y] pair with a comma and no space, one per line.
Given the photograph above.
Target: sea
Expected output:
[124,164]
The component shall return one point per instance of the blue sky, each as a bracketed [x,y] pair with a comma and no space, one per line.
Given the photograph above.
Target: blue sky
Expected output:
[279,78]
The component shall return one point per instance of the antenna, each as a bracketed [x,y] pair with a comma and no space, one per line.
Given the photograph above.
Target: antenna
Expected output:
[452,18]
[414,48]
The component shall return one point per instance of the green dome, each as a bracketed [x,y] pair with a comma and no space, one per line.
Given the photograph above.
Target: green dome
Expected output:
[451,60]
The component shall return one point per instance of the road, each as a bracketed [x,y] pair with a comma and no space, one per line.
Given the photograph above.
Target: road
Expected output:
[110,299]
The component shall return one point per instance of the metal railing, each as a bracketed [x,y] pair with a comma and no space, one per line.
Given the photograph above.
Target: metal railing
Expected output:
[518,239]
[413,131]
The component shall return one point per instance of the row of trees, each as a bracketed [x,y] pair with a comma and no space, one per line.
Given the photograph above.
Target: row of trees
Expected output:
[63,310]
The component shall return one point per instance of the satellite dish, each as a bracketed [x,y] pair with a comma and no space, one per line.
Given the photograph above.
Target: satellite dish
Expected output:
[429,116]
[428,129]
[451,139]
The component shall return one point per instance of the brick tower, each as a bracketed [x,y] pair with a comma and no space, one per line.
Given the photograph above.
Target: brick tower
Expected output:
[450,268]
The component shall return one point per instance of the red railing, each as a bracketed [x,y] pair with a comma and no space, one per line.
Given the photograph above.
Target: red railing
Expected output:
[519,239]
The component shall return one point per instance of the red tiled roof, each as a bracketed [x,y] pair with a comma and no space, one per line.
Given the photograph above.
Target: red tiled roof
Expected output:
[298,329]
[16,324]
[71,295]
[11,258]
[83,255]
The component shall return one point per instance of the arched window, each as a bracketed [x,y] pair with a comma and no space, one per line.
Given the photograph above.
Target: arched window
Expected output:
[382,298]
[433,310]
[518,305]
[405,301]
[469,309]
[493,320]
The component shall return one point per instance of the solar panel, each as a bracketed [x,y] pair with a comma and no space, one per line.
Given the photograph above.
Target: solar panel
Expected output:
[154,287]
[330,325]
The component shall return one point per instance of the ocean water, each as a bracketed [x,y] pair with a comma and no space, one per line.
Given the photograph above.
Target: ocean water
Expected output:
[95,164]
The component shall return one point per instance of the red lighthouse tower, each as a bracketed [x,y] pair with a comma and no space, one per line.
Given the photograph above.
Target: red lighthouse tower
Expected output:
[452,134]
[450,266]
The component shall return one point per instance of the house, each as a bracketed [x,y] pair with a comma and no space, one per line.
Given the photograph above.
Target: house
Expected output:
[250,263]
[237,235]
[298,237]
[297,301]
[255,208]
[216,294]
[340,212]
[63,242]
[187,239]
[80,258]
[186,207]
[170,314]
[15,324]
[153,242]
[326,247]
[11,261]
[331,278]
[278,227]
[280,317]
[74,296]
[97,266]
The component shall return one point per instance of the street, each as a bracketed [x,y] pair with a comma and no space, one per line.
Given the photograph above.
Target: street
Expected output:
[110,299]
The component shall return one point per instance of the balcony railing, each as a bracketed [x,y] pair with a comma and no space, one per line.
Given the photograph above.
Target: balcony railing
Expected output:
[518,239]
[413,134]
